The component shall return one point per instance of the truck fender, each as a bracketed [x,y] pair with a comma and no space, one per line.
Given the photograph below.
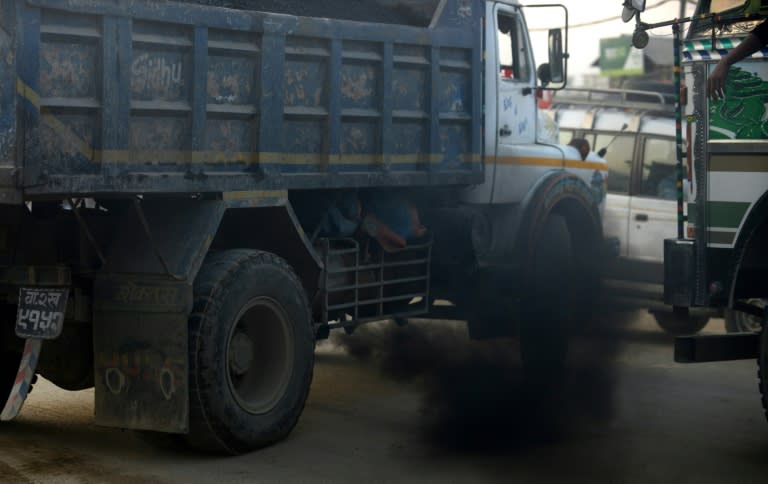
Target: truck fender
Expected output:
[750,255]
[553,192]
[273,229]
[501,233]
[567,195]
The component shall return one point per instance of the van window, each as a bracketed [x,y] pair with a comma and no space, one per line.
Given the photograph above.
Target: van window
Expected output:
[659,163]
[619,158]
[513,52]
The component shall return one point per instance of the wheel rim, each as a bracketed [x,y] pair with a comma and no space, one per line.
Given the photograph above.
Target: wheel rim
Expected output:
[748,322]
[260,355]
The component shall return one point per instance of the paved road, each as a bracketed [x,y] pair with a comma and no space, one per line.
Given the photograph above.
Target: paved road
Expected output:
[422,405]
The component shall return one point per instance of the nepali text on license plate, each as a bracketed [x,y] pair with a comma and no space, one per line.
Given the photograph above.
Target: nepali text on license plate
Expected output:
[41,312]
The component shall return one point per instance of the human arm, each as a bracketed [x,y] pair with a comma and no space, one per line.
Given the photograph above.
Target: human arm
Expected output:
[716,80]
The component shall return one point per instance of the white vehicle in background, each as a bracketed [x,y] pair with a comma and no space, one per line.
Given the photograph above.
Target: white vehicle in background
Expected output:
[634,130]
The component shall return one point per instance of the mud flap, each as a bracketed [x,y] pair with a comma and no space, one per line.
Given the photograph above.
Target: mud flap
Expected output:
[24,376]
[140,354]
[142,302]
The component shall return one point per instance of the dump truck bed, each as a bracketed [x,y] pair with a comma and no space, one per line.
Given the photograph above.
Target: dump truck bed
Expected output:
[140,96]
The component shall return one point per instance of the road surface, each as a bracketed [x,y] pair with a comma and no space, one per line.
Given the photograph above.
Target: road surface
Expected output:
[420,404]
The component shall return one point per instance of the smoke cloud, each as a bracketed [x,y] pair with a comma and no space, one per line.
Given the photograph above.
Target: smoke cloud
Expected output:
[476,395]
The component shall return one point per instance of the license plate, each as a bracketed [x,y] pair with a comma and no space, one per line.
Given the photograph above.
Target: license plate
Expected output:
[41,312]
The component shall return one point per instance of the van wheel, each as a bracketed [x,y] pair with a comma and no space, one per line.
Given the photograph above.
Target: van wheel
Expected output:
[680,322]
[741,322]
[547,304]
[251,352]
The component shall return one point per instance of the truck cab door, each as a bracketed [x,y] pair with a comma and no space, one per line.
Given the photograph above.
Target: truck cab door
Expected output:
[516,106]
[519,160]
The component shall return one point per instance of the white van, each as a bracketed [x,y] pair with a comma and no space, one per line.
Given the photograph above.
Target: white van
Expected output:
[637,131]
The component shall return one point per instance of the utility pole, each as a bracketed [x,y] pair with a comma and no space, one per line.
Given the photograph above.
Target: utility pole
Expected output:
[682,8]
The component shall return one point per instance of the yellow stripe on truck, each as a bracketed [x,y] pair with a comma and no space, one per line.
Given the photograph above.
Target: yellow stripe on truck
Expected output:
[551,162]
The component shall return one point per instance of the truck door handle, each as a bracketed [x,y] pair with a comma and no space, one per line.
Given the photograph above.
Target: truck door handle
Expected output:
[505,131]
[641,217]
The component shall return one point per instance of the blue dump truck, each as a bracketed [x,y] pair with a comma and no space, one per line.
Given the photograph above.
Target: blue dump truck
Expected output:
[191,195]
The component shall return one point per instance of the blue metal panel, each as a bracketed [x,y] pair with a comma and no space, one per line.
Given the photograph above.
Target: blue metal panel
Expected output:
[248,100]
[334,102]
[27,65]
[272,93]
[199,88]
[434,101]
[116,55]
[387,138]
[7,84]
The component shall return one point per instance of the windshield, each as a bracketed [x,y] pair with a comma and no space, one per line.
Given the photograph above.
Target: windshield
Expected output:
[718,6]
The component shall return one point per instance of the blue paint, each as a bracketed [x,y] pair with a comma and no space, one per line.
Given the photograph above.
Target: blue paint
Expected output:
[163,85]
[522,126]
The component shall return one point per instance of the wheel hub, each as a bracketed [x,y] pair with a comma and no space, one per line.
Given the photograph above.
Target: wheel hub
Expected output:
[240,354]
[260,355]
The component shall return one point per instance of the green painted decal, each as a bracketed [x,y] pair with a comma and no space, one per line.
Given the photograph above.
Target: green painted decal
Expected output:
[726,214]
[741,114]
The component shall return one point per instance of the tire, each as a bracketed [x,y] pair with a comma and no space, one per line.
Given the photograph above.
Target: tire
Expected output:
[251,348]
[680,323]
[488,309]
[547,304]
[11,349]
[762,369]
[741,322]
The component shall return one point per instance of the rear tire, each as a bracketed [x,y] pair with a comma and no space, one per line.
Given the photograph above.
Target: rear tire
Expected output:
[251,348]
[9,367]
[10,357]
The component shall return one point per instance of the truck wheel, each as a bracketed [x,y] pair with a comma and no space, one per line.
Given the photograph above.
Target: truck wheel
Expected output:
[680,322]
[741,322]
[547,305]
[762,370]
[251,348]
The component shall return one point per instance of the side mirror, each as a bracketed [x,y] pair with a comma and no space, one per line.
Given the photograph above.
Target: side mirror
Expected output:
[556,56]
[632,8]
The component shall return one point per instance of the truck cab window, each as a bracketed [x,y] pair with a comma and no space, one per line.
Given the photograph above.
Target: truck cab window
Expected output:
[513,51]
